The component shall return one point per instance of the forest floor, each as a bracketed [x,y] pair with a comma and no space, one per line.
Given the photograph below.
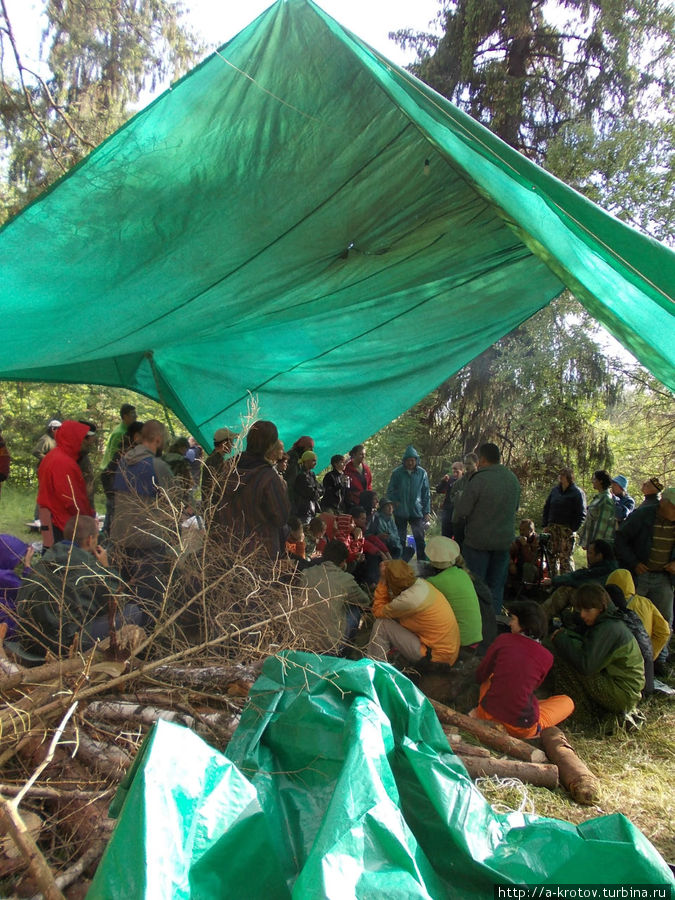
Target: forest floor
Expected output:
[634,768]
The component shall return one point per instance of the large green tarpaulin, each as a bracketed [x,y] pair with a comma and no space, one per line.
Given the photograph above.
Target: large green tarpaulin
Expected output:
[351,791]
[301,220]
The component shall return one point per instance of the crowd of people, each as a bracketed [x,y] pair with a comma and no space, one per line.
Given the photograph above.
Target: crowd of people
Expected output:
[598,635]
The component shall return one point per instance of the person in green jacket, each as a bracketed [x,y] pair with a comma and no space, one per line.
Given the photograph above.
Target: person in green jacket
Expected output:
[601,669]
[68,593]
[455,583]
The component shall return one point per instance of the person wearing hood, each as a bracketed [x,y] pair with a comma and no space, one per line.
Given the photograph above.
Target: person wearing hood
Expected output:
[14,553]
[654,623]
[602,669]
[62,490]
[254,506]
[409,491]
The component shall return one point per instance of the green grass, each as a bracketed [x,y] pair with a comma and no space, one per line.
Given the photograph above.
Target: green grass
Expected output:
[17,505]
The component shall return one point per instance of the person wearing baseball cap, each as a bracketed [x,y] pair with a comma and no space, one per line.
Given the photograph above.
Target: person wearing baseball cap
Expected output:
[645,544]
[622,499]
[214,469]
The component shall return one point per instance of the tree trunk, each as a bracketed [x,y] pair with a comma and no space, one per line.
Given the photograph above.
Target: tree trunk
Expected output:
[574,774]
[488,734]
[531,773]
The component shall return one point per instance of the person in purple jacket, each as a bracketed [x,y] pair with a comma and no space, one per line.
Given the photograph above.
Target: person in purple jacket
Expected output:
[14,553]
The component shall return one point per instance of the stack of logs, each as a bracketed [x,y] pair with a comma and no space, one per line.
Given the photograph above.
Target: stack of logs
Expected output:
[110,706]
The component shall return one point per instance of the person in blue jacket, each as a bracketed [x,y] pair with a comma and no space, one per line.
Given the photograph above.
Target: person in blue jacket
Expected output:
[409,491]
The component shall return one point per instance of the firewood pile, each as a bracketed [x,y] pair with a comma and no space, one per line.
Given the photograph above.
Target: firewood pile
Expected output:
[69,728]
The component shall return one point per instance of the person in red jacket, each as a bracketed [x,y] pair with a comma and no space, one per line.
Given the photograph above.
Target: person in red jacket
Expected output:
[511,671]
[359,474]
[62,491]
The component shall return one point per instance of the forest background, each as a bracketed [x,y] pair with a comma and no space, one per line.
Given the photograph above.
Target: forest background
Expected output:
[584,88]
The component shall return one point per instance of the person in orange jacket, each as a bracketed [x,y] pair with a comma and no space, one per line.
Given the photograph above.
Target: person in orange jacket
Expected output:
[412,616]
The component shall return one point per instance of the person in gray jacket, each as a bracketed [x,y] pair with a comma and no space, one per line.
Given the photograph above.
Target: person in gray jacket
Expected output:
[487,510]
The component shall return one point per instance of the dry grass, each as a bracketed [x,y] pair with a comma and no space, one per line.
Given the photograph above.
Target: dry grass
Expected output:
[635,771]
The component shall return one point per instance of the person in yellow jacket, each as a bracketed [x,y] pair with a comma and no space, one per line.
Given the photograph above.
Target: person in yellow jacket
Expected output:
[655,625]
[412,616]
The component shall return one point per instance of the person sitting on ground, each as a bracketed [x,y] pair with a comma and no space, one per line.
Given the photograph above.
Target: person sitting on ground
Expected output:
[413,617]
[602,669]
[70,592]
[15,556]
[651,490]
[654,623]
[374,550]
[514,667]
[336,485]
[524,555]
[336,601]
[368,500]
[600,521]
[637,629]
[601,563]
[454,582]
[383,525]
[315,534]
[295,542]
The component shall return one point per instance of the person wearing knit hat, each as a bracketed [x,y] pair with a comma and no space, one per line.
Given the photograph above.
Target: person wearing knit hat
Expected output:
[645,545]
[254,505]
[622,499]
[306,489]
[454,582]
[413,617]
[651,490]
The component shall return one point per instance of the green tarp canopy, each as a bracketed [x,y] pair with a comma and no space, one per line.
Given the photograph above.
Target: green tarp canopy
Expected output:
[302,221]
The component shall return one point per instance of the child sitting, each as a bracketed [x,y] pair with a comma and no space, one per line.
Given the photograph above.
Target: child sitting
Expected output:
[655,625]
[295,542]
[524,552]
[315,537]
[513,668]
[383,525]
[601,669]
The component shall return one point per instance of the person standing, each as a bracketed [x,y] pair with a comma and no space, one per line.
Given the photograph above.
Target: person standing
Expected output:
[5,460]
[489,505]
[651,491]
[564,511]
[409,491]
[645,545]
[214,470]
[622,499]
[600,521]
[456,491]
[445,487]
[46,441]
[127,415]
[62,490]
[359,474]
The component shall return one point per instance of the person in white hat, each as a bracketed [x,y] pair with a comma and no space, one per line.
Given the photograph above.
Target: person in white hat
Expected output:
[454,582]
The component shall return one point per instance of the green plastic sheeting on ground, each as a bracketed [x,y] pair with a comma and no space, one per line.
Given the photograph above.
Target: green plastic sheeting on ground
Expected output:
[353,792]
[301,219]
